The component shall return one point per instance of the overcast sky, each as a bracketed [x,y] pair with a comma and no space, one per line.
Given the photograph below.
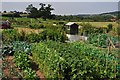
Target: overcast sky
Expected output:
[66,8]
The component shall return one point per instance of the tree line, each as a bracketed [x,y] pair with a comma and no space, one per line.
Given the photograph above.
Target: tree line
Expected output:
[45,11]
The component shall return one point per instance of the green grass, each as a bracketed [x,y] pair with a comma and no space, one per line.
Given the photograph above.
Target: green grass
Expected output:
[28,21]
[48,21]
[101,24]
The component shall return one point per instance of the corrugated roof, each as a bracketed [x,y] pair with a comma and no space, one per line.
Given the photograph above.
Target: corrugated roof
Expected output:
[70,23]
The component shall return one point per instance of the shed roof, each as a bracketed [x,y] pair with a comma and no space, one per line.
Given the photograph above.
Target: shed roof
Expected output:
[70,23]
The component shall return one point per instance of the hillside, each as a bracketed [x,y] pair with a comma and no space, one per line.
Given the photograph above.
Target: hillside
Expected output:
[111,13]
[114,13]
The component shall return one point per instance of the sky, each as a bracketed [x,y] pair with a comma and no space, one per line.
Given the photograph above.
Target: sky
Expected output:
[60,0]
[66,8]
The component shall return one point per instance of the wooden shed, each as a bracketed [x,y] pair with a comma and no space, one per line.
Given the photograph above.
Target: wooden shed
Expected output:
[73,28]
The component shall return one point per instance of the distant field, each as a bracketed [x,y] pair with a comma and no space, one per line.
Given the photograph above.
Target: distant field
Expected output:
[101,24]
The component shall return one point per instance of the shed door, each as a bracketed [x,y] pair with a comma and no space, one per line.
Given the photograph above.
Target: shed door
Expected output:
[74,29]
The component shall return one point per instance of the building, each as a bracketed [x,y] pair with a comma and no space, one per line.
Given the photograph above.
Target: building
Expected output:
[73,32]
[73,28]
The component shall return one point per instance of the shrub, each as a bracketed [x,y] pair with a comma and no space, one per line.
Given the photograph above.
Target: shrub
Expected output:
[33,37]
[29,74]
[21,60]
[51,33]
[61,23]
[87,28]
[36,26]
[101,40]
[55,35]
[11,15]
[10,35]
[109,27]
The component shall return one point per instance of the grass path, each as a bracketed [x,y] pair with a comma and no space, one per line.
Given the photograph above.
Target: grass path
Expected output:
[28,30]
[100,24]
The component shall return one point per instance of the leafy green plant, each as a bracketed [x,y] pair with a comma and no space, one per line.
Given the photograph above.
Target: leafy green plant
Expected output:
[73,61]
[7,50]
[100,40]
[55,35]
[33,37]
[30,74]
[21,60]
[14,47]
[36,26]
[10,35]
[21,46]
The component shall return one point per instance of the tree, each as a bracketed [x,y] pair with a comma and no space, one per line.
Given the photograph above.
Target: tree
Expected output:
[4,11]
[29,8]
[11,11]
[14,14]
[44,11]
[48,10]
[34,13]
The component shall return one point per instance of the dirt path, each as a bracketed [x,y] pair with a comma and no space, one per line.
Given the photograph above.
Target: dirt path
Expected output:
[34,67]
[28,30]
[9,69]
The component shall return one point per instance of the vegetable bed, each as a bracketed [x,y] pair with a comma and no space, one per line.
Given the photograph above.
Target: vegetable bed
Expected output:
[17,64]
[74,61]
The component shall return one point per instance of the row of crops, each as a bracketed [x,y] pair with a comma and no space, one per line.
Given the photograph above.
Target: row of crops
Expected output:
[74,61]
[101,40]
[63,60]
[21,63]
[10,49]
[48,34]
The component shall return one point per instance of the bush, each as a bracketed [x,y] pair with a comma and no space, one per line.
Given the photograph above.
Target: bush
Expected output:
[61,23]
[29,74]
[87,28]
[55,35]
[101,40]
[50,26]
[11,15]
[22,46]
[109,27]
[10,36]
[51,33]
[36,26]
[23,62]
[33,37]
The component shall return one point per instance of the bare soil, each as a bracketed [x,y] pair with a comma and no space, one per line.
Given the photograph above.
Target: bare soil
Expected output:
[6,69]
